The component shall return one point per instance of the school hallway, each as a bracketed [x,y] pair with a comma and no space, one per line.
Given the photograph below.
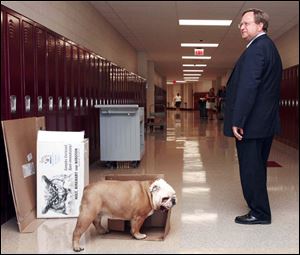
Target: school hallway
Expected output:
[201,164]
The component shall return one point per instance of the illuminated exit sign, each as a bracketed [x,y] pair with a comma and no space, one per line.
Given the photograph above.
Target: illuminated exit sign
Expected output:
[199,52]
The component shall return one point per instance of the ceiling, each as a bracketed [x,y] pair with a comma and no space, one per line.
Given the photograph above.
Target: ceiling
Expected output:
[152,27]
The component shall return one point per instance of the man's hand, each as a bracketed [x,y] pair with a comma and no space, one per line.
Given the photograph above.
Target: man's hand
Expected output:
[238,132]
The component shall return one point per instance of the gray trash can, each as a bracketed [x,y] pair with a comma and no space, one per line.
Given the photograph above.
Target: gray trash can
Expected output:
[121,134]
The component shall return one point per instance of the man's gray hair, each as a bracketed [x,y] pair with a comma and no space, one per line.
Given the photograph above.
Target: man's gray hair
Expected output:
[259,17]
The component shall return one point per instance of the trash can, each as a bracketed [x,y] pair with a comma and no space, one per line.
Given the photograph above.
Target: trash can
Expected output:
[202,108]
[121,134]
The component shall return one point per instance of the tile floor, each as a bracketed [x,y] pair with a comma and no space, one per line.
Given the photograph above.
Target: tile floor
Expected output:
[201,164]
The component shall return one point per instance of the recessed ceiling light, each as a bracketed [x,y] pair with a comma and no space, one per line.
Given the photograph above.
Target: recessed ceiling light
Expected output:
[199,45]
[193,71]
[197,57]
[194,65]
[204,22]
[192,74]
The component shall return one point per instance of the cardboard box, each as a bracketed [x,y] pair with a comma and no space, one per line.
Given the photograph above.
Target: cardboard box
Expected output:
[20,140]
[20,136]
[62,173]
[156,226]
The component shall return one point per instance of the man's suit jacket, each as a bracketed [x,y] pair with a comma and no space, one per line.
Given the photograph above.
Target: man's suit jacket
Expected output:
[253,90]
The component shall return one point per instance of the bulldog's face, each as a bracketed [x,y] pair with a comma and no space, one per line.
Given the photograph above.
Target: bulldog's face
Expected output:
[163,195]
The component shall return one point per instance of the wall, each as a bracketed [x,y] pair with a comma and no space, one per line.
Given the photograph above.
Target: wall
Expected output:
[288,47]
[203,86]
[89,29]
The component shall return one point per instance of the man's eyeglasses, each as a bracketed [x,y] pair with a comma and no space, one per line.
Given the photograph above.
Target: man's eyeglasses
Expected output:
[246,24]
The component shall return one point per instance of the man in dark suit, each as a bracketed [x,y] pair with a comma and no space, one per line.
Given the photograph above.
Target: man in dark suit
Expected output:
[252,112]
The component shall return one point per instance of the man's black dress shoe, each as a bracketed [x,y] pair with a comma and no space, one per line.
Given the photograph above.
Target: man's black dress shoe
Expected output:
[250,219]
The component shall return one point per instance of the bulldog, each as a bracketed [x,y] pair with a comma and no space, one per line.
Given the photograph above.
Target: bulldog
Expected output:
[125,200]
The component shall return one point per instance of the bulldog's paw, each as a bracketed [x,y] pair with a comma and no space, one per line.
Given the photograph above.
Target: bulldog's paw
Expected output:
[77,249]
[139,236]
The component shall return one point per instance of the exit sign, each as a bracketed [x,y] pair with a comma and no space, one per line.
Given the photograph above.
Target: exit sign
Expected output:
[199,52]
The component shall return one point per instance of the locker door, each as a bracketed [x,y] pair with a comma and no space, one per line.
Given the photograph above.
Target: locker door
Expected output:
[288,108]
[113,84]
[75,92]
[41,84]
[81,91]
[29,83]
[294,97]
[108,83]
[68,87]
[282,109]
[4,85]
[86,85]
[61,111]
[95,110]
[51,120]
[14,75]
[118,90]
[101,83]
[295,112]
[123,86]
[90,95]
[78,91]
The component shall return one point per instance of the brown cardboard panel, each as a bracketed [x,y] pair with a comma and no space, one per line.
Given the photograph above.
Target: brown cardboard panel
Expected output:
[116,225]
[153,233]
[156,226]
[20,136]
[137,177]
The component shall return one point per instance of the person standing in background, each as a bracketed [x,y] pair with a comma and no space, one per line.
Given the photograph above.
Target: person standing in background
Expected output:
[177,100]
[221,102]
[252,112]
[211,103]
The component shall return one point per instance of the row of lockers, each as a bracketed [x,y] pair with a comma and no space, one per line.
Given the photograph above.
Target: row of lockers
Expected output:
[45,74]
[289,106]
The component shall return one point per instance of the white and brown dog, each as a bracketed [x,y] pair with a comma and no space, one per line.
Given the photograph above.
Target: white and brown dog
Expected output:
[126,200]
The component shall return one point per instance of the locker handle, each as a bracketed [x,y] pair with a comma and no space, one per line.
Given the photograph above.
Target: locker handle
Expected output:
[50,102]
[92,102]
[75,102]
[68,103]
[59,103]
[13,103]
[81,102]
[86,102]
[27,103]
[40,103]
